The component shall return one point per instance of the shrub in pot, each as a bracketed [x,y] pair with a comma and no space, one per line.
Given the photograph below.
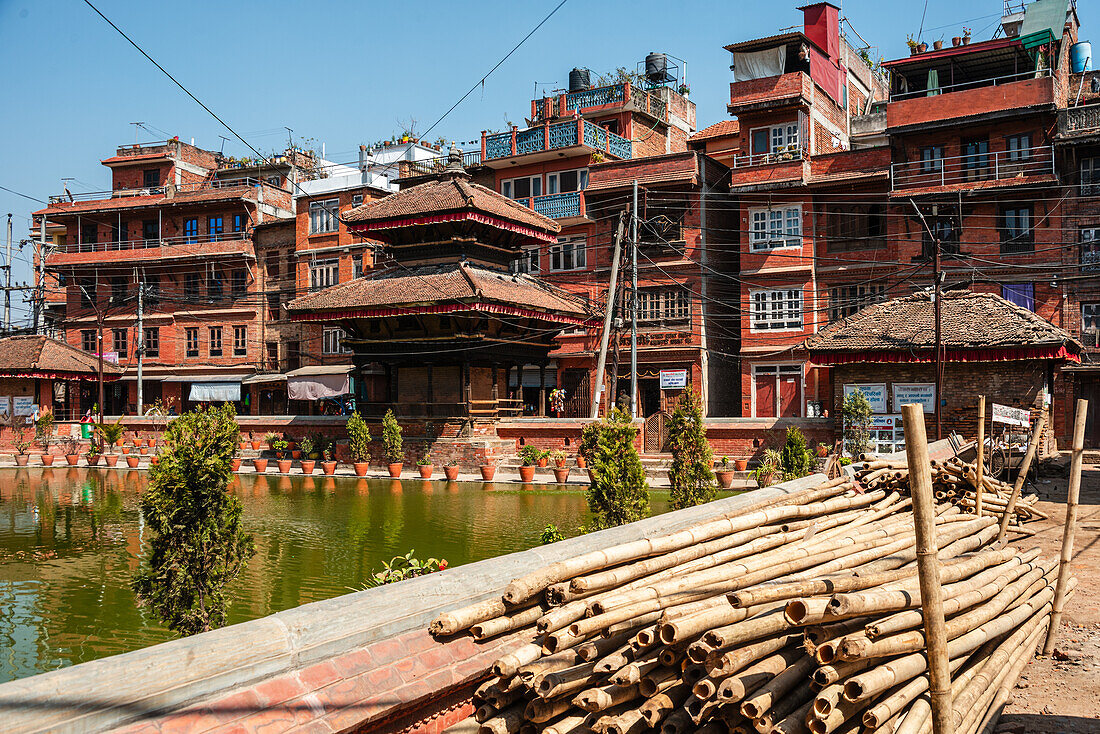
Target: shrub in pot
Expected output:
[255,443]
[21,444]
[92,454]
[328,466]
[392,444]
[529,455]
[68,447]
[559,458]
[544,458]
[424,466]
[359,444]
[561,474]
[271,439]
[724,472]
[450,470]
[111,434]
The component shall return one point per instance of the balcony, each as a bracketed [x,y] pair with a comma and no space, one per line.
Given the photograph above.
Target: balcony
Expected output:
[253,189]
[558,206]
[202,246]
[430,166]
[970,99]
[552,140]
[584,101]
[773,92]
[1079,121]
[984,170]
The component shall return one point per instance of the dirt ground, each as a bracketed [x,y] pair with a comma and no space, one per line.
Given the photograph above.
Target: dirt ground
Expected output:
[1061,694]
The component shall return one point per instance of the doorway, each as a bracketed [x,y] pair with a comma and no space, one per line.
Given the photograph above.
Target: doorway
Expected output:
[1089,389]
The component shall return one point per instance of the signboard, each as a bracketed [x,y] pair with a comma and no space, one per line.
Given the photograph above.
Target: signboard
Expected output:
[875,394]
[1011,416]
[5,406]
[920,393]
[23,404]
[674,379]
[881,422]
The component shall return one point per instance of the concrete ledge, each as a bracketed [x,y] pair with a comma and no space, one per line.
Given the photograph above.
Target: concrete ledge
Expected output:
[171,676]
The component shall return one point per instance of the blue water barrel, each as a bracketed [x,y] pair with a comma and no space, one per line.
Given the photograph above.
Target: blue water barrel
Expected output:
[1080,56]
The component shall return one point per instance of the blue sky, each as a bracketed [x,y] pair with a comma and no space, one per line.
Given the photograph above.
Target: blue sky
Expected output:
[345,73]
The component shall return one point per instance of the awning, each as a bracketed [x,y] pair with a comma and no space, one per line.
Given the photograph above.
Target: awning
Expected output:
[215,392]
[264,377]
[215,377]
[319,381]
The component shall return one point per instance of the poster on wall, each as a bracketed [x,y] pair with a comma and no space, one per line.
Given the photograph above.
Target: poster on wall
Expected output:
[23,404]
[674,379]
[875,394]
[1011,416]
[920,393]
[5,407]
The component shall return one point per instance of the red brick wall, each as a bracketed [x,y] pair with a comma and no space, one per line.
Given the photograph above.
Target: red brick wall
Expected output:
[1011,95]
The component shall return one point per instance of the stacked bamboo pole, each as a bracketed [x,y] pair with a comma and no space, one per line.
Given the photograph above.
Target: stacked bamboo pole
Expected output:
[793,615]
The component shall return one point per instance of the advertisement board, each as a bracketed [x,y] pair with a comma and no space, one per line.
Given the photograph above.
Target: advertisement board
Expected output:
[875,394]
[1011,416]
[920,393]
[674,379]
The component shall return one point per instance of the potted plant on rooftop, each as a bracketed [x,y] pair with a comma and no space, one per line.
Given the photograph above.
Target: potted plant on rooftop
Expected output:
[424,466]
[392,444]
[911,44]
[359,444]
[529,455]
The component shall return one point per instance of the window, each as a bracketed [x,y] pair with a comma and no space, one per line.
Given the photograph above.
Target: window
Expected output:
[357,265]
[191,287]
[151,341]
[239,283]
[855,226]
[215,341]
[527,262]
[119,289]
[150,232]
[323,274]
[1090,324]
[931,159]
[215,227]
[777,309]
[192,341]
[564,182]
[1022,294]
[150,178]
[1090,178]
[569,254]
[845,300]
[89,234]
[332,341]
[240,341]
[1016,233]
[118,342]
[657,306]
[238,222]
[522,188]
[773,228]
[975,162]
[775,139]
[214,290]
[1090,249]
[293,355]
[271,264]
[357,200]
[322,216]
[87,340]
[1018,147]
[271,355]
[191,230]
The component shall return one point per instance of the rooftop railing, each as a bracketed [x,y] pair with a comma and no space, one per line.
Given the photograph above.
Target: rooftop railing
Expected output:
[427,166]
[1079,119]
[973,168]
[214,183]
[963,86]
[144,244]
[555,136]
[612,94]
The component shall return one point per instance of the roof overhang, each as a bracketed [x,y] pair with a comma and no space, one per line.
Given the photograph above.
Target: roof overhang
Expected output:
[380,226]
[52,375]
[1001,354]
[499,309]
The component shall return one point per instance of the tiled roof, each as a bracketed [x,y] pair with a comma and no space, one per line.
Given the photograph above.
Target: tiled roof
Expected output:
[441,284]
[136,158]
[452,193]
[717,130]
[655,169]
[36,354]
[968,321]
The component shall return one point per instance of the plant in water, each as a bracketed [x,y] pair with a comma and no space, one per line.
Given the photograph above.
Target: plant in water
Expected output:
[550,534]
[795,458]
[529,454]
[404,567]
[856,414]
[691,475]
[358,438]
[391,439]
[618,493]
[197,546]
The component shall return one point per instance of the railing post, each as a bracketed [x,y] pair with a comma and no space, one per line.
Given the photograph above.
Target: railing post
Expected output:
[514,129]
[581,211]
[546,135]
[580,131]
[996,165]
[483,145]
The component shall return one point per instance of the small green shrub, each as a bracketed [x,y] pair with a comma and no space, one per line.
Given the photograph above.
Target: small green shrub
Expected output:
[391,439]
[404,567]
[618,493]
[358,438]
[691,476]
[529,454]
[856,412]
[795,458]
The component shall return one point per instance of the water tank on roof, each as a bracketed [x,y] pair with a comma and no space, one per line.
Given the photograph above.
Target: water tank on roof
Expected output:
[656,67]
[1080,57]
[578,80]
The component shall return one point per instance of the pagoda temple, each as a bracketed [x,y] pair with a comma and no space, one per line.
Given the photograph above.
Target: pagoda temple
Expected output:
[438,325]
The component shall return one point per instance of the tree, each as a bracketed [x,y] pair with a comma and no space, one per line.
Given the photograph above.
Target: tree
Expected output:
[618,493]
[856,413]
[358,438]
[197,544]
[691,475]
[795,458]
[391,439]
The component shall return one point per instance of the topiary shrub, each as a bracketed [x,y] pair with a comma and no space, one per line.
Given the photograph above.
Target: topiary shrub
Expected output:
[391,439]
[618,493]
[795,458]
[856,412]
[358,438]
[691,476]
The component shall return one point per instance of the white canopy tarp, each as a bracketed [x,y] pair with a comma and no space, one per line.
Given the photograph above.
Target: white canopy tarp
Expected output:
[759,64]
[215,392]
[317,387]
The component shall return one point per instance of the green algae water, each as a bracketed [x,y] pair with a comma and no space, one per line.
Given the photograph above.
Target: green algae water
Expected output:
[70,540]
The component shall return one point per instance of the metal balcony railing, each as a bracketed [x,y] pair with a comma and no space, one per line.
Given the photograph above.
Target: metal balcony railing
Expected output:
[429,166]
[558,206]
[974,168]
[208,184]
[144,244]
[963,86]
[782,155]
[555,137]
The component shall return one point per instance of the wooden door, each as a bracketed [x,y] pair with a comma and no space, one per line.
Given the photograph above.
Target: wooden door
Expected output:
[1089,389]
[765,395]
[655,437]
[790,396]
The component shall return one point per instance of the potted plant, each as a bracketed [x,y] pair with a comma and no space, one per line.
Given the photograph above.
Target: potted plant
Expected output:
[283,463]
[307,451]
[244,443]
[328,466]
[255,443]
[279,446]
[740,464]
[488,470]
[143,449]
[234,463]
[822,450]
[92,454]
[581,461]
[271,438]
[956,41]
[544,459]
[69,450]
[392,444]
[359,444]
[318,442]
[937,44]
[291,444]
[424,466]
[922,47]
[111,434]
[21,444]
[769,470]
[154,459]
[260,464]
[966,35]
[559,458]
[132,461]
[450,470]
[724,473]
[529,455]
[561,474]
[911,44]
[138,441]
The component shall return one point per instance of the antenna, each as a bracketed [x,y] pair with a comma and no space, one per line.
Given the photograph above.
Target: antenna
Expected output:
[289,138]
[137,126]
[224,140]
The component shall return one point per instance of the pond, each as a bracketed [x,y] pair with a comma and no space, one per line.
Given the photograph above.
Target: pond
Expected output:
[70,540]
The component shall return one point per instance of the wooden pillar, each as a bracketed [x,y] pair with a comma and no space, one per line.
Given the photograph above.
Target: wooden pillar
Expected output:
[519,386]
[495,394]
[431,394]
[466,385]
[542,390]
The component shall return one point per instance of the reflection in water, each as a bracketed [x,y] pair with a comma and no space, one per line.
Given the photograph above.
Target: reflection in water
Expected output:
[70,540]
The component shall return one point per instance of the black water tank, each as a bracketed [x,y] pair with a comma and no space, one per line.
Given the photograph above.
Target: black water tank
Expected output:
[578,80]
[656,67]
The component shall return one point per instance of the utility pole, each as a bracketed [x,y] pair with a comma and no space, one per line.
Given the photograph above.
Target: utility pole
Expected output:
[602,363]
[99,342]
[7,282]
[937,316]
[139,342]
[634,307]
[40,290]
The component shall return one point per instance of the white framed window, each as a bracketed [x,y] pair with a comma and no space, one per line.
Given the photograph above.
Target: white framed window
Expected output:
[240,341]
[657,306]
[776,309]
[527,262]
[332,342]
[1018,147]
[774,228]
[1090,249]
[323,273]
[323,216]
[774,139]
[564,182]
[357,200]
[522,188]
[571,253]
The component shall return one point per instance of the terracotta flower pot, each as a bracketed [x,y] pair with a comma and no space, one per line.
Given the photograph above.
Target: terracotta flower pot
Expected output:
[561,475]
[154,460]
[966,40]
[543,462]
[488,471]
[451,472]
[559,463]
[125,450]
[118,443]
[395,469]
[111,459]
[291,445]
[256,445]
[152,443]
[139,441]
[144,450]
[425,471]
[235,464]
[328,467]
[284,465]
[581,463]
[47,459]
[527,474]
[21,459]
[260,464]
[361,468]
[741,464]
[132,461]
[956,41]
[244,445]
[937,45]
[725,478]
[296,455]
[307,466]
[922,47]
[73,459]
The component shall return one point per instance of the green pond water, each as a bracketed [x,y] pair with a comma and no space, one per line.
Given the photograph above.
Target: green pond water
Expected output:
[70,540]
